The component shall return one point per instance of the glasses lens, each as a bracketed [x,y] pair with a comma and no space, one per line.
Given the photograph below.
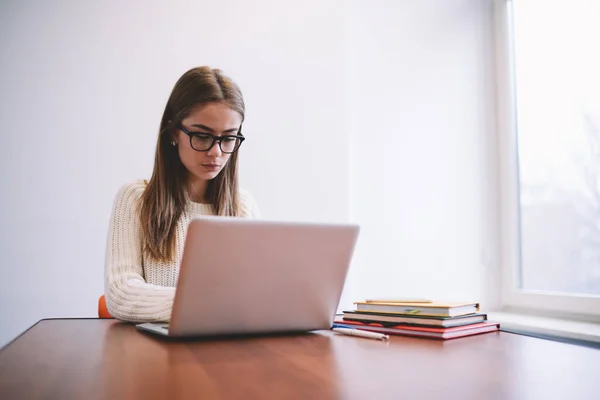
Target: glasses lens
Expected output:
[201,142]
[229,144]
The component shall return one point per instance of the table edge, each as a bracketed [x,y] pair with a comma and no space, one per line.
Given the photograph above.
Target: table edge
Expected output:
[519,332]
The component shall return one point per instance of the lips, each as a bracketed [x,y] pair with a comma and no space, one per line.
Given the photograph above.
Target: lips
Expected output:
[211,167]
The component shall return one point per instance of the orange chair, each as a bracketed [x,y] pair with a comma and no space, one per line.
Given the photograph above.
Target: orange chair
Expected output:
[102,309]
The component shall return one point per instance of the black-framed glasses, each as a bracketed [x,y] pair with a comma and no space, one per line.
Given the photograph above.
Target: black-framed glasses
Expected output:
[201,141]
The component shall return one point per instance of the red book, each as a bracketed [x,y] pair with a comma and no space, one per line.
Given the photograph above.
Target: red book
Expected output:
[421,331]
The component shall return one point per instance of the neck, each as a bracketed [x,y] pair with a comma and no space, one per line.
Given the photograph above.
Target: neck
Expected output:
[197,190]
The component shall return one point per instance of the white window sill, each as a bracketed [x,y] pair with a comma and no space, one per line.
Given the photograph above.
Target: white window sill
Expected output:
[547,327]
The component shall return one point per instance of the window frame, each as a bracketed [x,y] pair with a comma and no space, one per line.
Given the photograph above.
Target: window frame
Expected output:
[513,298]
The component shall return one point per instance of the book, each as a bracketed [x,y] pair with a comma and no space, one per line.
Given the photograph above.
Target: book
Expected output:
[388,319]
[405,300]
[428,332]
[443,309]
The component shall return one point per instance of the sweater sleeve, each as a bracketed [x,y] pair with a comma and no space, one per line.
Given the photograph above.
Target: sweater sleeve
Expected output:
[248,205]
[128,296]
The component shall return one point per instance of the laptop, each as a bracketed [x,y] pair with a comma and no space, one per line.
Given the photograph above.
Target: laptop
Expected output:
[243,276]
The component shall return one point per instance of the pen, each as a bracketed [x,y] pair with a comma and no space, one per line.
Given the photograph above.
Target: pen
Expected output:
[359,333]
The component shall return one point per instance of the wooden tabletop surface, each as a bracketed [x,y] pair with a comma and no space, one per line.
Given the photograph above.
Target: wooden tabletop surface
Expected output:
[104,359]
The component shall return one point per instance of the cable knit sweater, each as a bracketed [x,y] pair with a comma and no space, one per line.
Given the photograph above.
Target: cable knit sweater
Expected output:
[138,289]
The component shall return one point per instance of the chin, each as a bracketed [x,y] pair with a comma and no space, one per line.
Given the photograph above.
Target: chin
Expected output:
[207,175]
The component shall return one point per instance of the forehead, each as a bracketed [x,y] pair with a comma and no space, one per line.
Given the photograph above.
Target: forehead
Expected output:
[214,115]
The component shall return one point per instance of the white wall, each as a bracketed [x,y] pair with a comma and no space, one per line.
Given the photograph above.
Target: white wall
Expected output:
[423,155]
[84,86]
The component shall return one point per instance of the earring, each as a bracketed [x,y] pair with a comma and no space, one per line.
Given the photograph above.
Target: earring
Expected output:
[173,143]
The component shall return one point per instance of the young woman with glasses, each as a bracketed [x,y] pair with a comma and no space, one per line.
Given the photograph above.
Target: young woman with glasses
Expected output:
[195,173]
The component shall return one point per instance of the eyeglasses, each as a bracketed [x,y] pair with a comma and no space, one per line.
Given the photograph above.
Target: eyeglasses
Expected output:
[205,141]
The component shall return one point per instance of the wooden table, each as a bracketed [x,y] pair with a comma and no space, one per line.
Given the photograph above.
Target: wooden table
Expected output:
[104,359]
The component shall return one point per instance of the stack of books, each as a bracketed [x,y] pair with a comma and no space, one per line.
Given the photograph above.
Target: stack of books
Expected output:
[422,318]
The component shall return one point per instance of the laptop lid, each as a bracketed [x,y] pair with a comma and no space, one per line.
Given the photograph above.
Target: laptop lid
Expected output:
[245,276]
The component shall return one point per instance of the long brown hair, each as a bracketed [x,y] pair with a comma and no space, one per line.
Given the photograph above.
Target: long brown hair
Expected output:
[165,198]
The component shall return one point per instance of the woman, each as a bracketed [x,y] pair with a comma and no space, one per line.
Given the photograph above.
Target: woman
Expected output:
[195,173]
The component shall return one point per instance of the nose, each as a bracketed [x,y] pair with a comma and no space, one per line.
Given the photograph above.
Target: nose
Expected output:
[215,151]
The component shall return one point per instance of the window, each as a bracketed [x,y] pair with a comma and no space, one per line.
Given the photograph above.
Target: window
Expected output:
[549,86]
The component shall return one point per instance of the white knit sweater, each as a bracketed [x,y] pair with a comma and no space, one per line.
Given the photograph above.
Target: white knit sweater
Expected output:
[138,289]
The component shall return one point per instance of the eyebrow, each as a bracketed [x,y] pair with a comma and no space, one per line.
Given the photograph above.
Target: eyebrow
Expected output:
[212,130]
